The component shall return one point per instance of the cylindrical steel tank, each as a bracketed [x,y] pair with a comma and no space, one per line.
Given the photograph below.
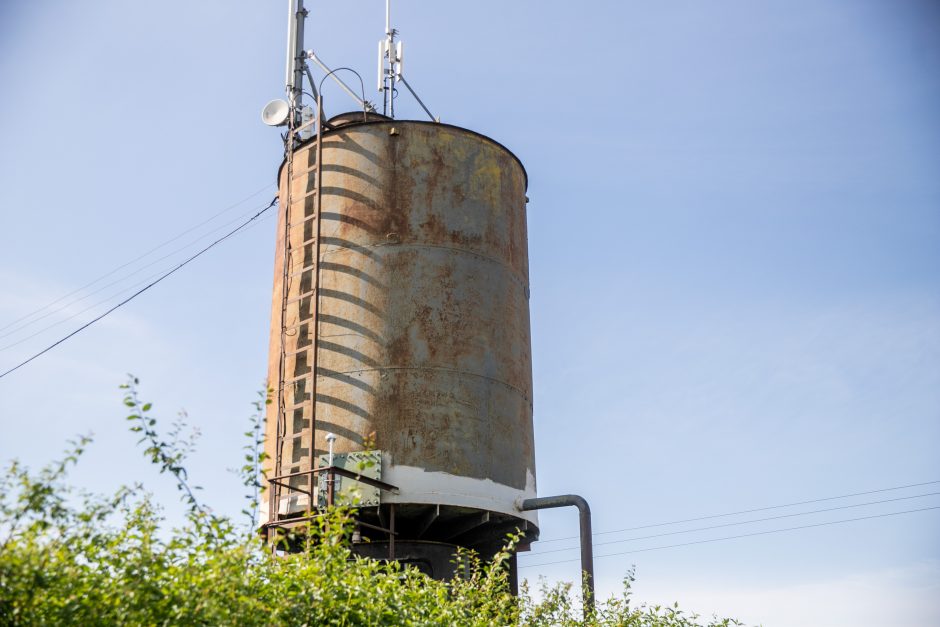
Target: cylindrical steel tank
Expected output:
[423,349]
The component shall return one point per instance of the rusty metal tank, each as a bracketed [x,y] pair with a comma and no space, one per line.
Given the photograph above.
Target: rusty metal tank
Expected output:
[414,297]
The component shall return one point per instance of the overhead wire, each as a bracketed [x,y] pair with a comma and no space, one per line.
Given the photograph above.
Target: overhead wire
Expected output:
[138,258]
[143,289]
[750,511]
[739,523]
[735,537]
[123,290]
[112,283]
[49,327]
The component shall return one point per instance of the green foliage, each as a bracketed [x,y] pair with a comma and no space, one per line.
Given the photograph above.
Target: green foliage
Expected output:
[72,558]
[251,472]
[168,455]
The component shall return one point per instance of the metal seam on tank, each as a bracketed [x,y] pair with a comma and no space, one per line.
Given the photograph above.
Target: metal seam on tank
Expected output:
[523,283]
[433,369]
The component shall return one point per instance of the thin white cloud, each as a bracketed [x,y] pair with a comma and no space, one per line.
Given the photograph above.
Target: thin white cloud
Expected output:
[908,596]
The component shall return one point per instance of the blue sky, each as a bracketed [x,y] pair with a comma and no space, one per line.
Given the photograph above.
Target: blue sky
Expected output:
[735,260]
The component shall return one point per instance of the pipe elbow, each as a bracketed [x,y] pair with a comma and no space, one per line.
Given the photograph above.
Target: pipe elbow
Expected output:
[563,500]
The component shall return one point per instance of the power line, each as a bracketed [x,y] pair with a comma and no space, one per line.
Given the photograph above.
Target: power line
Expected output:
[143,289]
[743,522]
[743,535]
[106,286]
[19,328]
[136,259]
[80,312]
[750,511]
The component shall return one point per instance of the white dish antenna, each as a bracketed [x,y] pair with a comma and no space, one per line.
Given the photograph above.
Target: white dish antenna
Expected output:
[275,113]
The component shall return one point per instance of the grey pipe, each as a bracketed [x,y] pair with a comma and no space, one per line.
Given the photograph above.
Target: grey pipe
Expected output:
[332,74]
[587,545]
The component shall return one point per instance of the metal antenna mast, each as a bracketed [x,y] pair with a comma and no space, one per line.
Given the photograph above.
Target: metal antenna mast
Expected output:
[294,78]
[390,56]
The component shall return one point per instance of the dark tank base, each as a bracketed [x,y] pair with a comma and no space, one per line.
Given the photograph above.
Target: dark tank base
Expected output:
[437,560]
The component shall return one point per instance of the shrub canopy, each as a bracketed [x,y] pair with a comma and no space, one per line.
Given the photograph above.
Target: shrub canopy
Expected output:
[72,558]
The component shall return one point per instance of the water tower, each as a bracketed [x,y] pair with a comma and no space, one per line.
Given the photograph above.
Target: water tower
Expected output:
[400,353]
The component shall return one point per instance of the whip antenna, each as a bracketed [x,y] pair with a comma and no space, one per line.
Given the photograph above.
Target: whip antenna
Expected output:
[391,62]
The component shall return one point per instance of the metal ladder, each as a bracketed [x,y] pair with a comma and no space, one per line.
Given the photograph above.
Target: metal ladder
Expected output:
[300,391]
[298,343]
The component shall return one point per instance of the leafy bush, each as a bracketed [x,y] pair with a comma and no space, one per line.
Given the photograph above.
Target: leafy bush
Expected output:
[72,558]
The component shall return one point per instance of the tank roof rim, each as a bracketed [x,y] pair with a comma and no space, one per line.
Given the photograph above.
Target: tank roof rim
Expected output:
[392,121]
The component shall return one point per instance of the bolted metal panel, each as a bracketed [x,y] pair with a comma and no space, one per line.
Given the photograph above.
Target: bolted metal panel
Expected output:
[423,348]
[348,491]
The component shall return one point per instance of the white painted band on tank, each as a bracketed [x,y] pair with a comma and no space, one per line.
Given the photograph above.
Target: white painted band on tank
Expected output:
[417,485]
